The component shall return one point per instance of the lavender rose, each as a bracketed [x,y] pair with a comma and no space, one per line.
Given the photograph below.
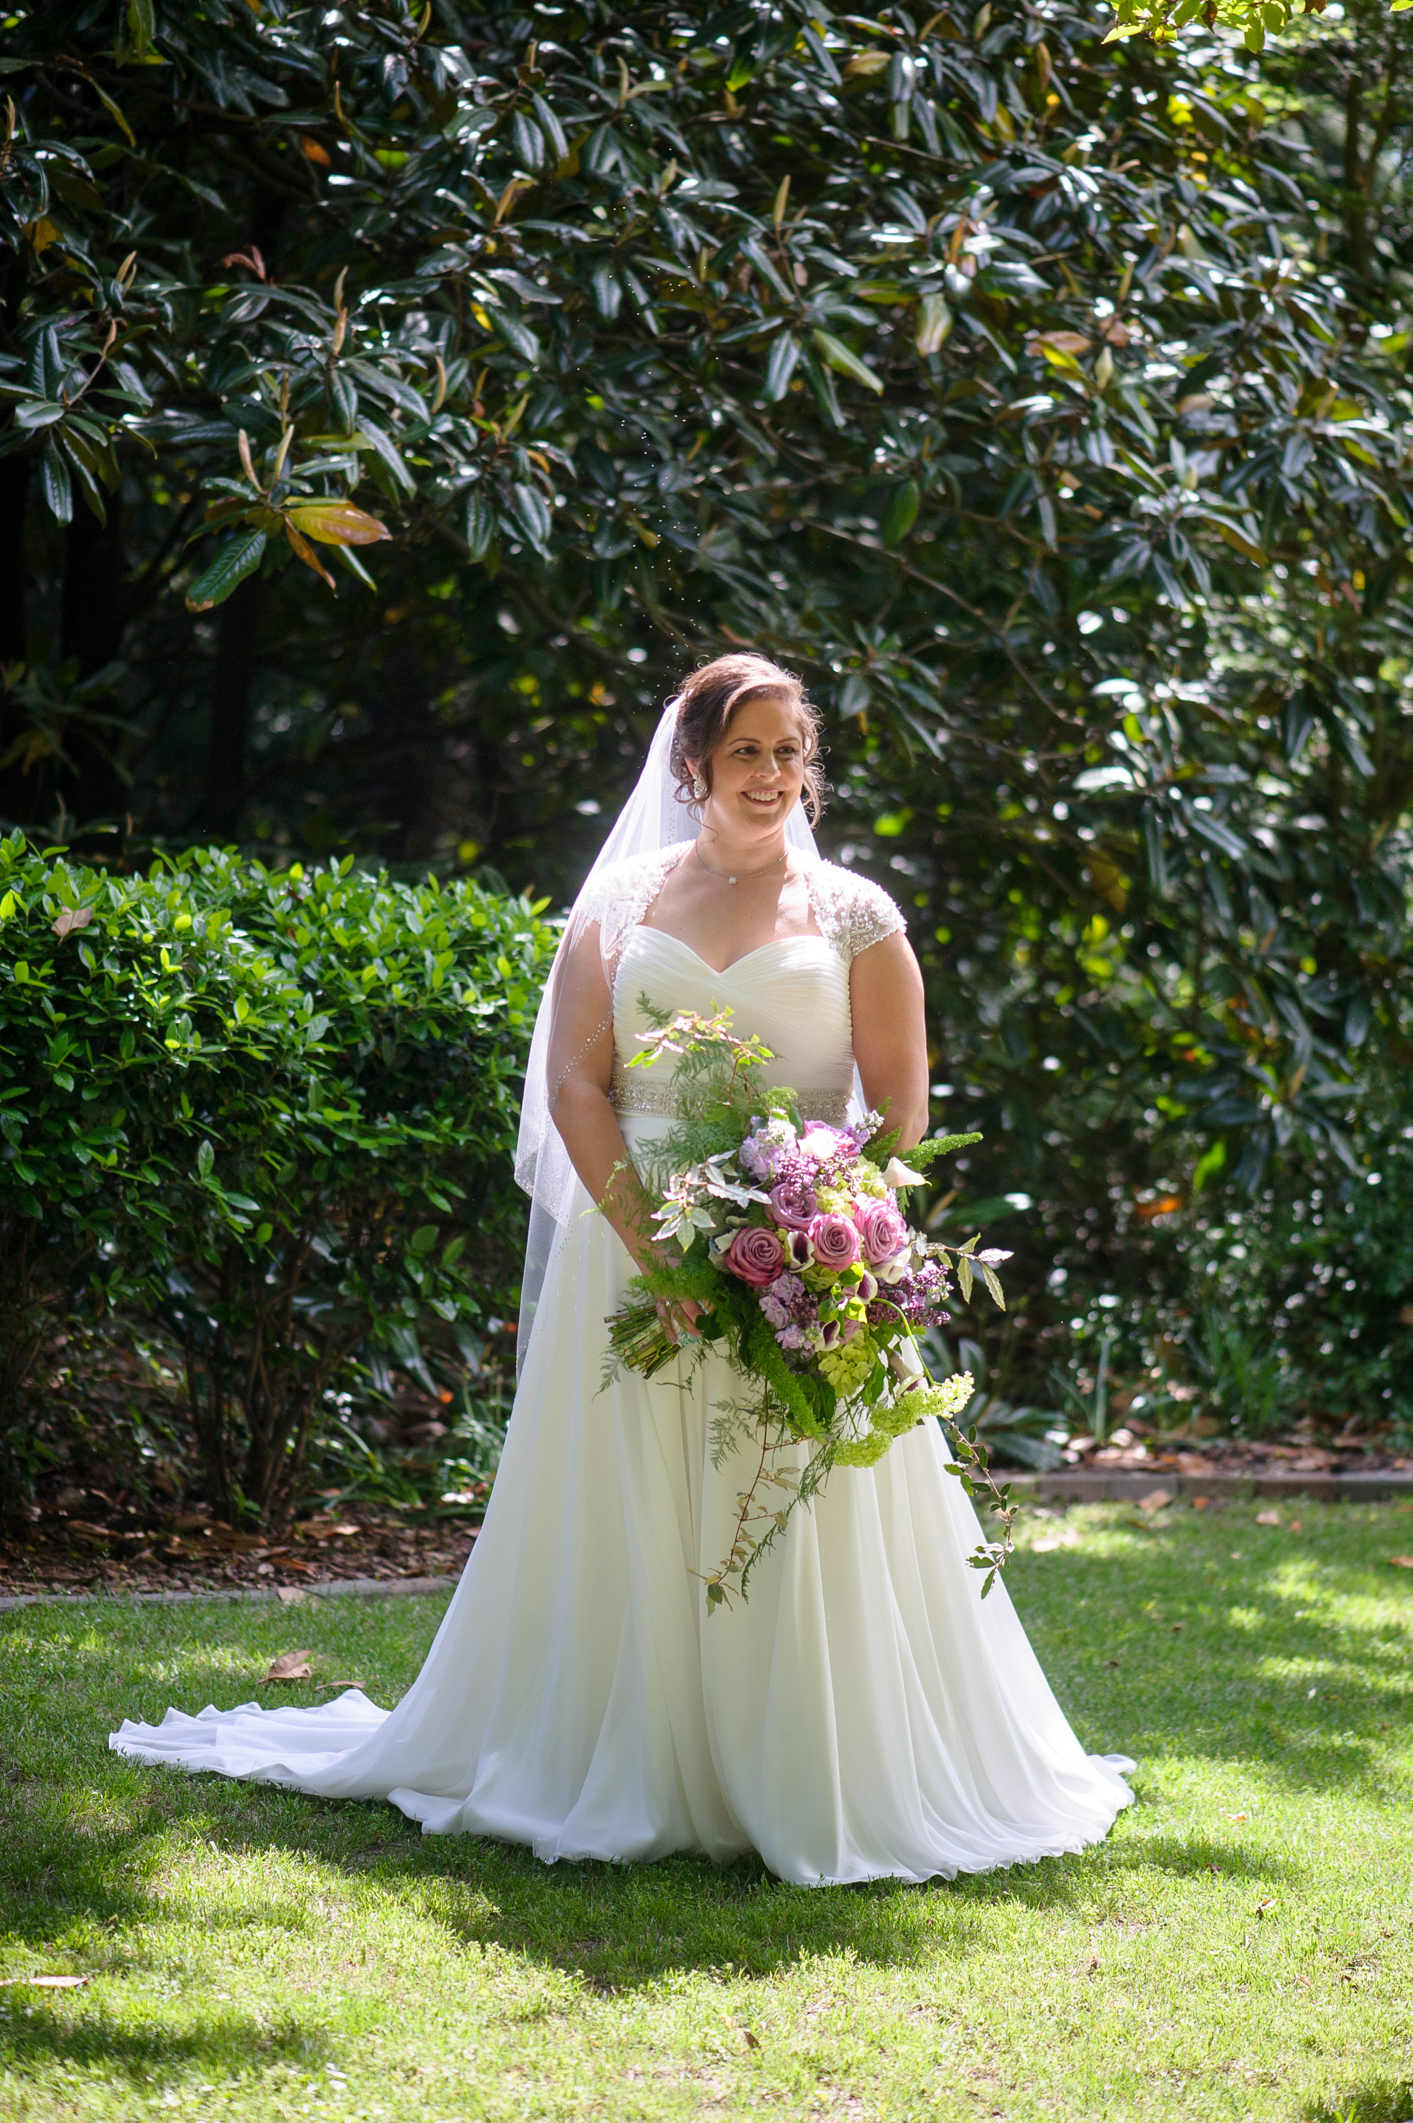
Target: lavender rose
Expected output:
[755,1255]
[792,1204]
[882,1231]
[835,1240]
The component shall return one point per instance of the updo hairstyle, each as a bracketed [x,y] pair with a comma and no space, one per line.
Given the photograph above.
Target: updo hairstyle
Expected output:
[711,697]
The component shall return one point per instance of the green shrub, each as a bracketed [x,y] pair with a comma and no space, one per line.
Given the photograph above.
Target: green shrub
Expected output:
[275,1110]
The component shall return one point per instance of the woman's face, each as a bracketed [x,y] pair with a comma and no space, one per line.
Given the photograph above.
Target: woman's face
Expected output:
[758,769]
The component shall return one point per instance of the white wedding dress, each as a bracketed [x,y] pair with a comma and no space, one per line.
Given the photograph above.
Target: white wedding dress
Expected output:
[861,1714]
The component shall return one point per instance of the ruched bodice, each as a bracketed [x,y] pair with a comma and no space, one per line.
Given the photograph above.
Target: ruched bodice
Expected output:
[793,993]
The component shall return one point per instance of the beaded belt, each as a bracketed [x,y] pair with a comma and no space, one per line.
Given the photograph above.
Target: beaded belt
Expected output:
[635,1091]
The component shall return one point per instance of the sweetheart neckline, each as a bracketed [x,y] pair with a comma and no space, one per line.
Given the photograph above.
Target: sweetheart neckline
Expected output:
[641,927]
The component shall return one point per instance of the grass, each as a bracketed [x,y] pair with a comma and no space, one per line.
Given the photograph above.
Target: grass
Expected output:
[1240,1947]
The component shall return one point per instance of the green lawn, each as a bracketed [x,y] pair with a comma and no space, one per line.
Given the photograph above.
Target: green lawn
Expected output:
[1239,1948]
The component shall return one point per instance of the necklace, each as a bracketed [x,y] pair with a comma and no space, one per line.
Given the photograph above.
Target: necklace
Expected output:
[730,879]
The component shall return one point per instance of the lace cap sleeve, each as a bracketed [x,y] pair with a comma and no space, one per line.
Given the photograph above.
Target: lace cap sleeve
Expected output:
[619,898]
[853,912]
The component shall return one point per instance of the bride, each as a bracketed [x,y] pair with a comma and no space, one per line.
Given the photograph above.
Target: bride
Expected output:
[862,1713]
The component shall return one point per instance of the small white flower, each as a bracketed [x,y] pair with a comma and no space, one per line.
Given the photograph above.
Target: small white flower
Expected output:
[900,1175]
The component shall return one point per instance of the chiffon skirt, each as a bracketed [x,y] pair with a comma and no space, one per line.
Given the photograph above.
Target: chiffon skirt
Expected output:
[862,1714]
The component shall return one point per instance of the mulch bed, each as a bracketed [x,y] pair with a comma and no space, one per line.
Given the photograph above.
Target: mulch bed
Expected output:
[1128,1453]
[91,1542]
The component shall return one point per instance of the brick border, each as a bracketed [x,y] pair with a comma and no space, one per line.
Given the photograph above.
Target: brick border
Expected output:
[365,1588]
[1089,1488]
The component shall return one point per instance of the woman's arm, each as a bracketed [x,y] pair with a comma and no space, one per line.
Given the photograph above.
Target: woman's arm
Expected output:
[580,1072]
[580,1069]
[890,1040]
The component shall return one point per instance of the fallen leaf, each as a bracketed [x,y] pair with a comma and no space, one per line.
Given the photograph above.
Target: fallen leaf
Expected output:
[1266,1902]
[44,1982]
[71,918]
[752,2041]
[1304,1981]
[1200,1503]
[1404,1562]
[1215,1871]
[1268,1518]
[1295,1526]
[1236,1555]
[291,1595]
[1176,1627]
[1236,1816]
[1112,1662]
[1156,1500]
[291,1666]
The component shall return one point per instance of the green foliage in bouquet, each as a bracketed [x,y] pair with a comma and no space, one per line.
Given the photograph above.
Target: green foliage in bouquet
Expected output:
[828,1358]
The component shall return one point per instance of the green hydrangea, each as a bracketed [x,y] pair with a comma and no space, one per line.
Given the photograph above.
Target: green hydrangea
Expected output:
[891,1418]
[849,1364]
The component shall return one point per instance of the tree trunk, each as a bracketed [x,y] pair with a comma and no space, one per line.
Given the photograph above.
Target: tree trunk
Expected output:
[16,790]
[228,735]
[1356,204]
[91,620]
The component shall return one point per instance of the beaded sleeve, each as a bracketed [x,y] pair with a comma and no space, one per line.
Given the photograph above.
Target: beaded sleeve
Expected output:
[853,912]
[622,897]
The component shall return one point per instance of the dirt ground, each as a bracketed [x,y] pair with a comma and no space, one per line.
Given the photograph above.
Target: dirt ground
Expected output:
[91,1542]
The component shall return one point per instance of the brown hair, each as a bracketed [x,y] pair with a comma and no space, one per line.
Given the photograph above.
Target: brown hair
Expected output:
[711,697]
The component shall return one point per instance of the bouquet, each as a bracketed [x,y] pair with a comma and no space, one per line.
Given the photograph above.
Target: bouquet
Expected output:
[787,1233]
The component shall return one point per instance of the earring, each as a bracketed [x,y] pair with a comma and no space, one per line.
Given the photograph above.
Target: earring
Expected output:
[699,787]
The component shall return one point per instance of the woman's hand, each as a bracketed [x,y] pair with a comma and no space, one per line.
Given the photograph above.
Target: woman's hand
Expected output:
[679,1318]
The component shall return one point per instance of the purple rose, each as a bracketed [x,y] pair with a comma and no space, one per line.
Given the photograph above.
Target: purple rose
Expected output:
[883,1232]
[835,1240]
[756,1255]
[792,1204]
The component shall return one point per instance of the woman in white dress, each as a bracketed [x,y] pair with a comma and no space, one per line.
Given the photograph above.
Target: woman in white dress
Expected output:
[862,1713]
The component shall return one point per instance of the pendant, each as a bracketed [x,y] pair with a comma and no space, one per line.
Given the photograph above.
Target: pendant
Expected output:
[730,880]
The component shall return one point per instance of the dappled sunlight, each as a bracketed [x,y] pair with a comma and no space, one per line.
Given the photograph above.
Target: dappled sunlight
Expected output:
[244,1936]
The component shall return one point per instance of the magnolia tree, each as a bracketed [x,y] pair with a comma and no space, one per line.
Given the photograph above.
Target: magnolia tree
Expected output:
[402,397]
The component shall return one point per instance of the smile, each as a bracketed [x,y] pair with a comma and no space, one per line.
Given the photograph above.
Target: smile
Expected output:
[763,795]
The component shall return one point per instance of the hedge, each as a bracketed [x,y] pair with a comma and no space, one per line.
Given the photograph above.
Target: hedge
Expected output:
[274,1110]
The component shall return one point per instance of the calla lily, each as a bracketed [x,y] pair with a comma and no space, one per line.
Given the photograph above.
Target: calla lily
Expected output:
[905,1362]
[900,1175]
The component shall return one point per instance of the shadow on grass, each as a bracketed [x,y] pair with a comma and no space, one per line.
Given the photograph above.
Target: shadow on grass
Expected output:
[1376,2101]
[86,1849]
[87,2038]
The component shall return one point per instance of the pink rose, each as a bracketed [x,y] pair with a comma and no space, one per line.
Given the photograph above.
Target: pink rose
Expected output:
[756,1255]
[792,1204]
[835,1240]
[883,1232]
